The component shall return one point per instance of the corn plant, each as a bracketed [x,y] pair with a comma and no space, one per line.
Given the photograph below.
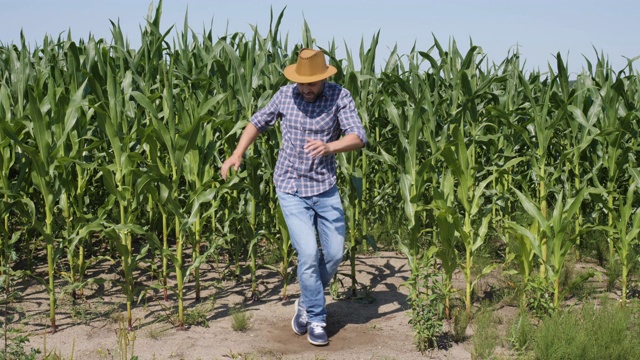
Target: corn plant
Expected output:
[352,193]
[443,203]
[121,169]
[625,229]
[52,115]
[522,253]
[286,252]
[98,138]
[78,169]
[541,129]
[613,125]
[246,63]
[13,203]
[408,122]
[556,230]
[194,108]
[502,153]
[10,187]
[354,164]
[473,223]
[586,111]
[462,157]
[166,138]
[148,67]
[10,238]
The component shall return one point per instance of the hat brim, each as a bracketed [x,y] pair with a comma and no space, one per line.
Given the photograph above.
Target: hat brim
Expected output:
[291,74]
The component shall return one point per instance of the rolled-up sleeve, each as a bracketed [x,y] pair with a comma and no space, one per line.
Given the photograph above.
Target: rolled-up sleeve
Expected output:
[350,121]
[267,116]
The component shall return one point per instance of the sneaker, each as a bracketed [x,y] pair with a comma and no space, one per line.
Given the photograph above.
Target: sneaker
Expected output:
[299,321]
[317,335]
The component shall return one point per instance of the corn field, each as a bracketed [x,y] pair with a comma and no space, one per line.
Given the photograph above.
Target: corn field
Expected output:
[111,154]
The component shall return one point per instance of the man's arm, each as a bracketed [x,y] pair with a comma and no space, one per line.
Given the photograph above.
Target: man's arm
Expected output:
[317,148]
[249,135]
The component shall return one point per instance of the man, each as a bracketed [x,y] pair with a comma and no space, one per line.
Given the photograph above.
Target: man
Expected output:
[318,119]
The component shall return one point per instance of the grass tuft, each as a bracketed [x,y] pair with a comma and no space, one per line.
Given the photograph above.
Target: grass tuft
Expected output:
[606,332]
[460,324]
[485,335]
[240,319]
[199,314]
[156,332]
[521,332]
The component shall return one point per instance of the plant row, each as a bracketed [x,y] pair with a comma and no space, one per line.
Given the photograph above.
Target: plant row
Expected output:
[113,153]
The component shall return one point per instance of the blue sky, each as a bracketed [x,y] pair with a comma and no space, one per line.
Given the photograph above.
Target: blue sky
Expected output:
[539,29]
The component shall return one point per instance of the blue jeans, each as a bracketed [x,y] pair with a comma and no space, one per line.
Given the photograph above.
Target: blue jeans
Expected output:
[321,214]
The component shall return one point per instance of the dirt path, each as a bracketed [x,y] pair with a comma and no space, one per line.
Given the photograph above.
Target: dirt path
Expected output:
[373,327]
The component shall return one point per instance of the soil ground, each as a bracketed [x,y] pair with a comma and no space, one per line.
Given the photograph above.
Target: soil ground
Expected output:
[374,325]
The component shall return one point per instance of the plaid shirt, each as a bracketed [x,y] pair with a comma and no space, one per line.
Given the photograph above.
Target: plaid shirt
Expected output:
[332,115]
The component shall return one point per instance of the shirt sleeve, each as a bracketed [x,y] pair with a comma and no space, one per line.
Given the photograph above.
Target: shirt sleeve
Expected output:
[350,121]
[267,116]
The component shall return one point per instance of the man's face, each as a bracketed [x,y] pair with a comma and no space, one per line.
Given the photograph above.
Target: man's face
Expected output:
[311,91]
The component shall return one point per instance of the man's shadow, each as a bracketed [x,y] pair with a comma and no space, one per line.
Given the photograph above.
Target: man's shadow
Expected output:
[381,294]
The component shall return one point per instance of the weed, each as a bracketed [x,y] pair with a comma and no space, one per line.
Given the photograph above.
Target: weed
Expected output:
[126,341]
[613,272]
[270,354]
[539,296]
[248,356]
[80,313]
[460,323]
[15,349]
[521,332]
[240,320]
[117,317]
[14,345]
[97,309]
[606,332]
[427,305]
[57,355]
[272,257]
[233,355]
[579,287]
[372,327]
[567,273]
[155,332]
[485,336]
[197,316]
[103,354]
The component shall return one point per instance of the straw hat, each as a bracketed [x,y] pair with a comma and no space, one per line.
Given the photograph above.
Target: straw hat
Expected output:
[311,67]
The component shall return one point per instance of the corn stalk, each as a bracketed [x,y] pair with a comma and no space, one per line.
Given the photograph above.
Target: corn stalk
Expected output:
[122,168]
[556,230]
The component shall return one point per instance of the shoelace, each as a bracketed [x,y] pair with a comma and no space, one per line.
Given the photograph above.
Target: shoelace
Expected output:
[303,317]
[316,327]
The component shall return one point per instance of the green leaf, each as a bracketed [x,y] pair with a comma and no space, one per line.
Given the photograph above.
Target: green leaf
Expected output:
[531,208]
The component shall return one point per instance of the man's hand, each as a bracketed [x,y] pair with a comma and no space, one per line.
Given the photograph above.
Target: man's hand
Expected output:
[316,148]
[231,161]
